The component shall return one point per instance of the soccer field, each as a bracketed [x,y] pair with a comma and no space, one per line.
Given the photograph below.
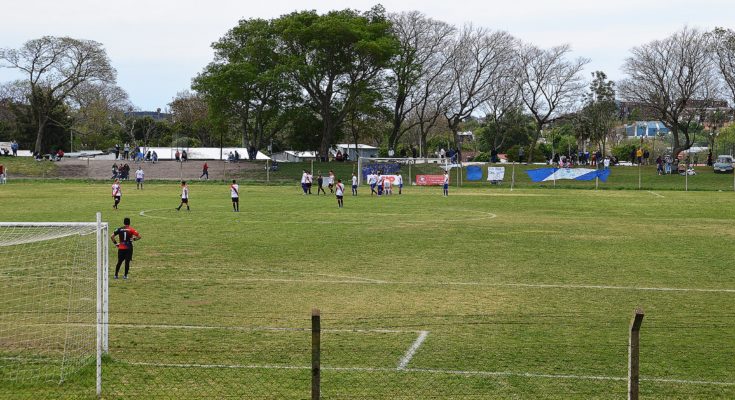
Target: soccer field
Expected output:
[486,294]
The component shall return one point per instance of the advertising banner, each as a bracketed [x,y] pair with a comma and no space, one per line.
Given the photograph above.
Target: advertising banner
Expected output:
[429,180]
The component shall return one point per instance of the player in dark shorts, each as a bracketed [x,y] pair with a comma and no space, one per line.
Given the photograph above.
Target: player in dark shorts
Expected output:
[319,185]
[235,194]
[126,235]
[184,196]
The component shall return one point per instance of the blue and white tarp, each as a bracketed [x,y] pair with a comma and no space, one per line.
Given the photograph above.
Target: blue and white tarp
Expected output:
[578,174]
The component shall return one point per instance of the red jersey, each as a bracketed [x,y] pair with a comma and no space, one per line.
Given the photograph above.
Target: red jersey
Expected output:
[125,236]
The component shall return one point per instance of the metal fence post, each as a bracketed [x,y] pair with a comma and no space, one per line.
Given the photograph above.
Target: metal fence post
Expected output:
[633,354]
[315,354]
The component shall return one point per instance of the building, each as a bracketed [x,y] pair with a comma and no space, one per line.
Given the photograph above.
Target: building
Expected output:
[646,129]
[294,156]
[363,150]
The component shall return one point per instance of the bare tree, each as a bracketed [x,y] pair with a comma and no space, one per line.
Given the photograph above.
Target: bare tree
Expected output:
[672,78]
[422,41]
[550,85]
[503,99]
[55,67]
[482,61]
[724,53]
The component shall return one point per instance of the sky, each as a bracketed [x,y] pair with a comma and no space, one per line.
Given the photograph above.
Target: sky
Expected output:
[158,46]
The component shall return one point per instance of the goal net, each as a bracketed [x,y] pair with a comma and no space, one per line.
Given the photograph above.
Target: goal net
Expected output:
[53,300]
[409,168]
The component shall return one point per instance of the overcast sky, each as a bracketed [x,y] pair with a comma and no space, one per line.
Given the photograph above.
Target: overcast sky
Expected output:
[158,46]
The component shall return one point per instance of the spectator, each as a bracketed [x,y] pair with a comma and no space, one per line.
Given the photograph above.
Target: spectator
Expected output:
[177,155]
[646,156]
[117,151]
[639,155]
[14,148]
[114,171]
[126,151]
[154,157]
[184,156]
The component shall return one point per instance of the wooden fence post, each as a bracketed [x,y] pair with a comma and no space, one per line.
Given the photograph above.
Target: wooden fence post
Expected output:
[633,354]
[315,354]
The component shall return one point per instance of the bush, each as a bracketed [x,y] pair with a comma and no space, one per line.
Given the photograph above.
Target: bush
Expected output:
[482,157]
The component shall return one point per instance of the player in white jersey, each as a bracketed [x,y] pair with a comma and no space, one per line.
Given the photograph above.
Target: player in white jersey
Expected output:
[139,177]
[330,181]
[184,196]
[354,184]
[372,180]
[116,193]
[446,183]
[399,183]
[304,180]
[387,186]
[340,193]
[235,194]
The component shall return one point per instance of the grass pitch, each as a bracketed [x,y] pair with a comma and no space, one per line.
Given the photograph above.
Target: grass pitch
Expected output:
[523,294]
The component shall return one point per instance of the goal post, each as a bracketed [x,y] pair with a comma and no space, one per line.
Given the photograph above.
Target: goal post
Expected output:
[53,300]
[406,165]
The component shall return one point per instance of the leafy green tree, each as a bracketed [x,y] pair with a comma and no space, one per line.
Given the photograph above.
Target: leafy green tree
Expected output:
[54,68]
[332,58]
[599,115]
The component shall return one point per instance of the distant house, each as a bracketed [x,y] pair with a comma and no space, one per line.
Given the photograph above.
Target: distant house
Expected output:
[363,150]
[294,156]
[646,129]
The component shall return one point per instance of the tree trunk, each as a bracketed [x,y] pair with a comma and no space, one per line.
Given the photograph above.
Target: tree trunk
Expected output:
[40,133]
[534,142]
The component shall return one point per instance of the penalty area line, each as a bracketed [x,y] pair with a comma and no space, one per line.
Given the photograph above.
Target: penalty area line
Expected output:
[433,371]
[655,194]
[412,350]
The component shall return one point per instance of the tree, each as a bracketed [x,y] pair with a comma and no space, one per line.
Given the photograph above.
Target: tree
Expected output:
[95,106]
[246,85]
[332,58]
[549,83]
[482,63]
[672,78]
[191,117]
[422,42]
[55,67]
[598,116]
[723,43]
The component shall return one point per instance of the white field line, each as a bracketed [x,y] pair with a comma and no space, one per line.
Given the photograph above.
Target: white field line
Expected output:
[412,350]
[231,328]
[655,194]
[435,371]
[363,281]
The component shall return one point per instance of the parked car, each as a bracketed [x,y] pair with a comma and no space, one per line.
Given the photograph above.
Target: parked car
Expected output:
[723,164]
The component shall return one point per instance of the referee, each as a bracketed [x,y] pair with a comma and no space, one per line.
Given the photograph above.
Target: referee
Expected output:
[126,235]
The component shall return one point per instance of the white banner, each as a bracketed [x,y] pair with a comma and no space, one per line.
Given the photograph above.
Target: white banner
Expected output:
[495,173]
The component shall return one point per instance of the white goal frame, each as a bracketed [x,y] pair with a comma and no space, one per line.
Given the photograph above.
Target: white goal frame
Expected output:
[102,281]
[409,161]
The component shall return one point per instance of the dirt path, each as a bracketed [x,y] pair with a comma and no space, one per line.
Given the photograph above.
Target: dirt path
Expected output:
[170,170]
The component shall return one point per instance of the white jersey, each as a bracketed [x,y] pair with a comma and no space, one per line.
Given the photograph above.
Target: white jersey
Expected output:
[399,179]
[185,192]
[235,190]
[446,179]
[386,183]
[304,177]
[340,189]
[354,181]
[330,179]
[371,179]
[116,190]
[139,174]
[309,178]
[380,179]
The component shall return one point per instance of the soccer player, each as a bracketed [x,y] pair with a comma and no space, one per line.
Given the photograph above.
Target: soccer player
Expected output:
[139,176]
[126,236]
[446,183]
[340,193]
[330,181]
[371,182]
[116,193]
[184,196]
[380,179]
[235,194]
[309,181]
[399,182]
[304,179]
[319,183]
[387,186]
[354,184]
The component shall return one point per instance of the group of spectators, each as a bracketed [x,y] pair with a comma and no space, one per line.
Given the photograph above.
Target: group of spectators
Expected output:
[121,172]
[12,150]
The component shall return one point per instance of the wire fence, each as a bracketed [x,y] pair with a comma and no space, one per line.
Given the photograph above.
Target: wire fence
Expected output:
[412,356]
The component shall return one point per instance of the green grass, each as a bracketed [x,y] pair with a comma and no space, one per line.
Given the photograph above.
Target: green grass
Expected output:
[525,294]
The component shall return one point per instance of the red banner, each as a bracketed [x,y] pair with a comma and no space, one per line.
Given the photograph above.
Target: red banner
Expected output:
[429,180]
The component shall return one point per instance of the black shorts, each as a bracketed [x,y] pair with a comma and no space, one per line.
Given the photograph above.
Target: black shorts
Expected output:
[235,199]
[125,254]
[185,201]
[339,197]
[117,199]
